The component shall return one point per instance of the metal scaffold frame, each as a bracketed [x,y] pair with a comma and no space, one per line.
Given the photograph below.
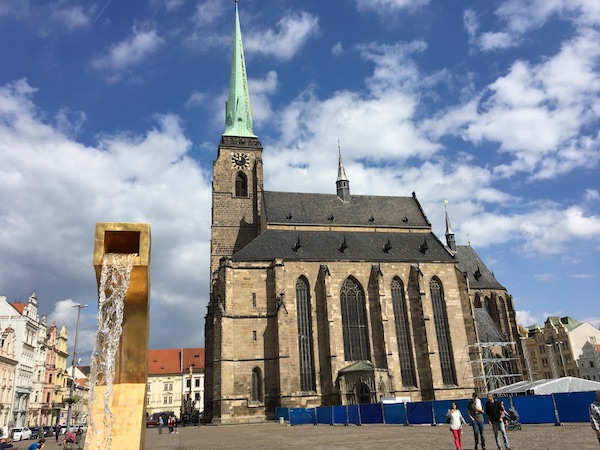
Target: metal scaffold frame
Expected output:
[495,371]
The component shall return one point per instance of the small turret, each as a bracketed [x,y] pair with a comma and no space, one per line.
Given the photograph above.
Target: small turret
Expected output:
[449,233]
[342,183]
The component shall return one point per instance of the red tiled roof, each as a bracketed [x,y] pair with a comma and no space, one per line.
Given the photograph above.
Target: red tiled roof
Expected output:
[193,357]
[19,307]
[164,361]
[598,348]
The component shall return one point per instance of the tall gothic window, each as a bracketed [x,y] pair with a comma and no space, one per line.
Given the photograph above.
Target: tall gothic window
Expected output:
[256,392]
[354,321]
[407,366]
[241,185]
[305,337]
[442,331]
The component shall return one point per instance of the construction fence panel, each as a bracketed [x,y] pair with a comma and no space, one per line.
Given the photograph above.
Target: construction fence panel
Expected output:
[395,413]
[574,406]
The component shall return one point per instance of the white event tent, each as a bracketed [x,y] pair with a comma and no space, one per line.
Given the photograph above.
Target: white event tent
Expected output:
[552,386]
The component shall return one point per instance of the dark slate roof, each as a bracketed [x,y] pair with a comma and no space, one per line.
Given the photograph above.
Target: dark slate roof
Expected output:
[486,328]
[359,210]
[325,246]
[470,263]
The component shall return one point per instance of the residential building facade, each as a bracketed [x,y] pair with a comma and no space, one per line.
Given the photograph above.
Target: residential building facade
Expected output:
[589,361]
[553,350]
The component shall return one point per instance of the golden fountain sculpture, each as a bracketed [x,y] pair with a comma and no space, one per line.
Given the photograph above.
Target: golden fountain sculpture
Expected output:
[120,358]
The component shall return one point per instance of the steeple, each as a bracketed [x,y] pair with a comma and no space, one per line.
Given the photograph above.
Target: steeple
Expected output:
[342,183]
[238,112]
[449,233]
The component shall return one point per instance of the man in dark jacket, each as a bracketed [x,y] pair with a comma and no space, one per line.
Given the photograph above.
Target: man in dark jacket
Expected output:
[495,415]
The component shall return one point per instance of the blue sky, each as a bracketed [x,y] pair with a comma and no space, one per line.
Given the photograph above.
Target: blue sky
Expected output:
[112,111]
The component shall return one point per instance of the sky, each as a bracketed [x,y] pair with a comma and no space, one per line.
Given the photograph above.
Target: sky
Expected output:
[112,111]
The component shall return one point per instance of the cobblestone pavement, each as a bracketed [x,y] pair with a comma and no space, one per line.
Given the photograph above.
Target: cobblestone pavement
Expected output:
[276,436]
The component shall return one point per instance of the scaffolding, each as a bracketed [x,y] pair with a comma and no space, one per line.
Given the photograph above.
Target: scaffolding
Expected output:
[494,366]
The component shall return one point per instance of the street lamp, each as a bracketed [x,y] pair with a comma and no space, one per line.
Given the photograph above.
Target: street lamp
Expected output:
[79,306]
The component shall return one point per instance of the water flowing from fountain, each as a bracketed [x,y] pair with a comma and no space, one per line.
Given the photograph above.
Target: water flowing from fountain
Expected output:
[114,282]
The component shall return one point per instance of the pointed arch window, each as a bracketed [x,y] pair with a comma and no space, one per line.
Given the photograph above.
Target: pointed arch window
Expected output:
[256,387]
[354,321]
[305,336]
[241,185]
[442,331]
[403,335]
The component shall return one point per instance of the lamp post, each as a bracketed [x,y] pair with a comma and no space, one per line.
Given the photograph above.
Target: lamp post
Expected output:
[79,306]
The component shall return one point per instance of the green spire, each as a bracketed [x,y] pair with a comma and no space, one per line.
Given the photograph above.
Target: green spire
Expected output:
[238,112]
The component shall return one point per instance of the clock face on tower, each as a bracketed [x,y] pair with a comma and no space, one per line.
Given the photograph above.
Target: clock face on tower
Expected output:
[240,160]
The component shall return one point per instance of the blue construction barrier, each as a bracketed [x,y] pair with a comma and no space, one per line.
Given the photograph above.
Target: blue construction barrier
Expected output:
[394,413]
[535,408]
[353,414]
[574,406]
[419,413]
[340,415]
[303,416]
[371,413]
[325,415]
[570,407]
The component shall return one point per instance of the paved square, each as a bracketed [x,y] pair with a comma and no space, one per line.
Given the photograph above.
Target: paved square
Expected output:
[275,436]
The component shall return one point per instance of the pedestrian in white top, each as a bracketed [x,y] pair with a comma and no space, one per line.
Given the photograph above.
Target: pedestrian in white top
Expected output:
[456,420]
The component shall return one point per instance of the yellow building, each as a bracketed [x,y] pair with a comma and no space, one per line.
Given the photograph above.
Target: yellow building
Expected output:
[59,406]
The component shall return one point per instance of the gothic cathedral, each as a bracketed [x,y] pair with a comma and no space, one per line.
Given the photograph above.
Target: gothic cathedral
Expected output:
[328,299]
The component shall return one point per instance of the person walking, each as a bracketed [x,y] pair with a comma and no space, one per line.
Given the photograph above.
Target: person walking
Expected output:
[456,420]
[495,416]
[56,430]
[595,415]
[476,414]
[161,424]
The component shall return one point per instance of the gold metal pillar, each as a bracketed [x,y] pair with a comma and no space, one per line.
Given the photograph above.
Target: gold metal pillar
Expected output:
[128,398]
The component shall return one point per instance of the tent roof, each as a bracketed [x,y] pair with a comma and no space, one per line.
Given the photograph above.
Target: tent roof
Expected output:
[553,386]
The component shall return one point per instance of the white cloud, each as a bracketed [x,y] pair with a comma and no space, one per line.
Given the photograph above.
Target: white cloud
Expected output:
[139,45]
[527,319]
[496,41]
[261,90]
[337,49]
[292,33]
[591,195]
[52,18]
[125,178]
[538,113]
[386,5]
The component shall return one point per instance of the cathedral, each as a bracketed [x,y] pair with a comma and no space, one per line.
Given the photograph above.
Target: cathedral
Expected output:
[335,299]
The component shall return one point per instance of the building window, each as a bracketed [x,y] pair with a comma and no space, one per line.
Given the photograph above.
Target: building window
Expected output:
[197,382]
[188,383]
[168,386]
[167,399]
[305,336]
[354,322]
[403,336]
[241,185]
[148,400]
[254,299]
[442,331]
[256,388]
[148,387]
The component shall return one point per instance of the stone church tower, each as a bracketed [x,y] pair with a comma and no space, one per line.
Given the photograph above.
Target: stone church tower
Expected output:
[326,299]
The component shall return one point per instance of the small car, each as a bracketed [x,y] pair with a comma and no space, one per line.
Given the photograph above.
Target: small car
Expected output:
[36,432]
[47,431]
[21,433]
